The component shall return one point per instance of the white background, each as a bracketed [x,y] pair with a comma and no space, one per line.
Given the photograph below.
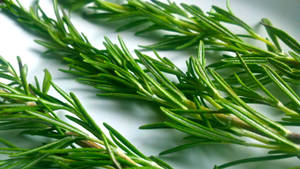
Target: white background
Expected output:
[127,116]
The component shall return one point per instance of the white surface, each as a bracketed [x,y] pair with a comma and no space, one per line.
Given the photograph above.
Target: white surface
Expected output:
[127,116]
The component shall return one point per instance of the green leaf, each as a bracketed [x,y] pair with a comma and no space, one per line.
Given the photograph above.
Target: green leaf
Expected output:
[295,56]
[285,37]
[49,145]
[160,162]
[170,42]
[244,115]
[154,126]
[59,123]
[146,167]
[233,18]
[33,162]
[72,150]
[124,141]
[23,74]
[86,117]
[248,60]
[46,82]
[266,21]
[179,148]
[110,152]
[282,85]
[7,143]
[131,25]
[201,53]
[200,129]
[255,159]
[62,93]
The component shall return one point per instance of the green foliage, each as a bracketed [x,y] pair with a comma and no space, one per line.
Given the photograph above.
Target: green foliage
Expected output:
[187,24]
[207,106]
[36,113]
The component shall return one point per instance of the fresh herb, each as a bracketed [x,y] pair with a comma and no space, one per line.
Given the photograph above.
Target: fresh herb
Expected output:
[187,24]
[190,22]
[201,104]
[29,108]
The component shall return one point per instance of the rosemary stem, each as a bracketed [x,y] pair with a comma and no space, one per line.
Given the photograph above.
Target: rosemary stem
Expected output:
[252,135]
[264,40]
[287,110]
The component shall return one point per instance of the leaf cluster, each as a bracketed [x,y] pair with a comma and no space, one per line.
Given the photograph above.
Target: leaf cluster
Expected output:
[187,24]
[204,104]
[30,109]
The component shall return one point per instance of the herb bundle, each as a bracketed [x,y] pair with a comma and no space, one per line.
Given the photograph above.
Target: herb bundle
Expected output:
[201,104]
[29,107]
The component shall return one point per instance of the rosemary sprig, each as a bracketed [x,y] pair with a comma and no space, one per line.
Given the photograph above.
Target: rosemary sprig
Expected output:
[146,12]
[192,24]
[187,24]
[30,108]
[195,105]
